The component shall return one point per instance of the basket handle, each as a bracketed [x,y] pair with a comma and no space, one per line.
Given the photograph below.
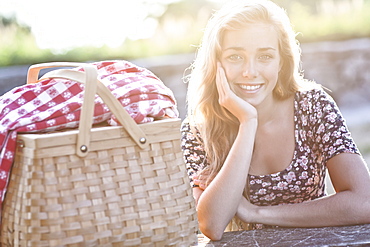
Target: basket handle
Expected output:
[34,70]
[93,85]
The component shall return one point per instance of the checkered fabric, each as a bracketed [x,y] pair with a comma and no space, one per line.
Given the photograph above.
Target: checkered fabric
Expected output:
[54,104]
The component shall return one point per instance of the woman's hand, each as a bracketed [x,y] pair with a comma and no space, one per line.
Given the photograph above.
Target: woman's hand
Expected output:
[228,99]
[246,211]
[201,179]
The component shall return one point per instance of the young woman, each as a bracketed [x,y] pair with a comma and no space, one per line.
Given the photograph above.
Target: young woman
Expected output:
[258,138]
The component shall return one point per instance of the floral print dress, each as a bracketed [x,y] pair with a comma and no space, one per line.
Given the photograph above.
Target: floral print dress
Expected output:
[320,134]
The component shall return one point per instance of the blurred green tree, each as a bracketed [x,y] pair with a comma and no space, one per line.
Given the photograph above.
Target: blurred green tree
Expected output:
[17,44]
[179,29]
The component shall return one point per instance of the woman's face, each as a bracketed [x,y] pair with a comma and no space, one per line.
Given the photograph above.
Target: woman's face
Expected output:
[251,59]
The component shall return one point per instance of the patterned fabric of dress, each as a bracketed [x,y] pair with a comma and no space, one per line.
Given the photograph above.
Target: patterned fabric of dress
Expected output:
[320,134]
[54,104]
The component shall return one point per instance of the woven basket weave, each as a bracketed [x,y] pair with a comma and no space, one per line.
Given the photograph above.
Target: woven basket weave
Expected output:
[119,194]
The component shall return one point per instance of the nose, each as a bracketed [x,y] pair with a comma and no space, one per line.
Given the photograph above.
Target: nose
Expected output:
[250,71]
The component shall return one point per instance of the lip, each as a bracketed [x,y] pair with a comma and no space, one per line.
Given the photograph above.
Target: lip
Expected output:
[250,87]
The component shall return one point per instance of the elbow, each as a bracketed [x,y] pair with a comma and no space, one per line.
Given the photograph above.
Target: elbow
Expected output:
[211,231]
[364,212]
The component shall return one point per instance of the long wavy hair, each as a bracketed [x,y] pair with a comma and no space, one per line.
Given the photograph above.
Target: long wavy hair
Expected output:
[217,126]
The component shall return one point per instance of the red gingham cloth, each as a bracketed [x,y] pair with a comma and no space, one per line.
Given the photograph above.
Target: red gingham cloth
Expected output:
[54,104]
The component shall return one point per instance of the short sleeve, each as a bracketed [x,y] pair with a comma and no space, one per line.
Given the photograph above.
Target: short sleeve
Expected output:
[193,151]
[332,135]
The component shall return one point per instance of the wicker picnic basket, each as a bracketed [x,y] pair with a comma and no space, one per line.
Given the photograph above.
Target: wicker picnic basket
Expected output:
[103,186]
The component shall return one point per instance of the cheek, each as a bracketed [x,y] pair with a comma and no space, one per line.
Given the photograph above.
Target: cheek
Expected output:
[272,72]
[232,71]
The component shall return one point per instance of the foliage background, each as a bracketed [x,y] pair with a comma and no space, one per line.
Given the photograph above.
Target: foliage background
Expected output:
[180,29]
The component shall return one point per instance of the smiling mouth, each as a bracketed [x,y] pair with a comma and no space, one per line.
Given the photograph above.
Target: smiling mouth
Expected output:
[250,87]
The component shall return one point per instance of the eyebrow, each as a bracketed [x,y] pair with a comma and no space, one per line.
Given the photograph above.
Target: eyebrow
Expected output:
[237,48]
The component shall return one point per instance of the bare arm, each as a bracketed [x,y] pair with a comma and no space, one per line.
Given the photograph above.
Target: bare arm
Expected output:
[350,205]
[218,203]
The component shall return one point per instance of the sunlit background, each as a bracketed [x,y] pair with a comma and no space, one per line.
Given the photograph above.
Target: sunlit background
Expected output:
[38,30]
[335,38]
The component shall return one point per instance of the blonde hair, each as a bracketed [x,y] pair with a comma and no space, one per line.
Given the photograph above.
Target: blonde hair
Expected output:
[217,126]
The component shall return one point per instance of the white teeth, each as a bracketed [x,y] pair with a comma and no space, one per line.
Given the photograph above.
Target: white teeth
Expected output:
[250,88]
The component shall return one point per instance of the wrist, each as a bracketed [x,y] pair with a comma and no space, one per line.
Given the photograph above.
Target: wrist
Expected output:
[248,119]
[247,211]
[249,124]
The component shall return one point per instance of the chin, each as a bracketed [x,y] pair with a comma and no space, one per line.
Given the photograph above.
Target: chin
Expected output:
[254,101]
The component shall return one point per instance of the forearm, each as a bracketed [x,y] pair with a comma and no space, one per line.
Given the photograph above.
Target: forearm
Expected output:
[219,202]
[343,208]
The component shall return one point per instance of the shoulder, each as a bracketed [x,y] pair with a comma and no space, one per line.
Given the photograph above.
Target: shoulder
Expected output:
[317,109]
[190,133]
[185,126]
[186,133]
[315,94]
[314,100]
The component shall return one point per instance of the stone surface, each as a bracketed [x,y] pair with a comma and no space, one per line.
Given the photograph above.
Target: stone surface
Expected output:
[358,235]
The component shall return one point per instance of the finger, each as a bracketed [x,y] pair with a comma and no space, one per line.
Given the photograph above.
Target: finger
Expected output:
[223,87]
[219,80]
[202,186]
[206,172]
[223,79]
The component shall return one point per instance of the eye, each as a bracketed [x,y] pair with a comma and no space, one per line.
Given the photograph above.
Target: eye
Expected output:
[266,57]
[235,58]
